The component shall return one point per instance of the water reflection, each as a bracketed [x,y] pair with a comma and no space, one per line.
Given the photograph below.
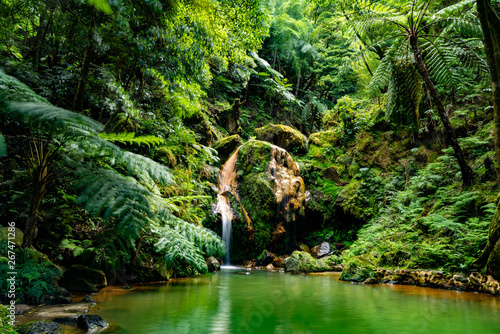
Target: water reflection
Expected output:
[265,302]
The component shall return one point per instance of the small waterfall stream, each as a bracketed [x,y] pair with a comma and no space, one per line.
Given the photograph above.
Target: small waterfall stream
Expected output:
[226,184]
[289,192]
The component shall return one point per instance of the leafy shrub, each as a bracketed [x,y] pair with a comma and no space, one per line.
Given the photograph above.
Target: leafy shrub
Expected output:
[35,275]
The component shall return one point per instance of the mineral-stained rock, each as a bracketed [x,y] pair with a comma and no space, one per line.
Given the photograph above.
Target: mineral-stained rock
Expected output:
[279,261]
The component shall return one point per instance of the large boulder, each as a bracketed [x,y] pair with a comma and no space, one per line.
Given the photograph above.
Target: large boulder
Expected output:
[283,136]
[80,278]
[40,327]
[358,269]
[304,262]
[321,250]
[272,193]
[226,146]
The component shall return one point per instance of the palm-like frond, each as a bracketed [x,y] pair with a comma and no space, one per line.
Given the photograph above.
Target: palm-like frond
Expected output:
[179,239]
[128,202]
[130,138]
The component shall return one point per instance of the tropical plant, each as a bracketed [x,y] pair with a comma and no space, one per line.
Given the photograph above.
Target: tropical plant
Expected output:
[5,321]
[415,49]
[117,185]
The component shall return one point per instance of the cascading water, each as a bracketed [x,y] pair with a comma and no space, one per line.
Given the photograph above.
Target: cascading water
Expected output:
[226,184]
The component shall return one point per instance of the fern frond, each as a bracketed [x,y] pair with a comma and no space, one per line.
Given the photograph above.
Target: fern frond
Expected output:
[381,76]
[130,138]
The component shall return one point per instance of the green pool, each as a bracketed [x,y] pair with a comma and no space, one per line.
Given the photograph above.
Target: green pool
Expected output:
[240,301]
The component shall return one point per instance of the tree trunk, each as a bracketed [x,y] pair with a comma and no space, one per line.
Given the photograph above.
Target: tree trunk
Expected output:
[451,138]
[31,227]
[80,91]
[490,24]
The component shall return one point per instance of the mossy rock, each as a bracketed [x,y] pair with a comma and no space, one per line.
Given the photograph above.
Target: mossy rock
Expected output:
[40,327]
[254,156]
[226,146]
[383,150]
[358,269]
[257,196]
[304,262]
[349,200]
[331,173]
[330,137]
[283,136]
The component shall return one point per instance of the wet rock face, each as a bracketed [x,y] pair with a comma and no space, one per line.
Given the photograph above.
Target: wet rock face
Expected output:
[263,195]
[283,136]
[289,187]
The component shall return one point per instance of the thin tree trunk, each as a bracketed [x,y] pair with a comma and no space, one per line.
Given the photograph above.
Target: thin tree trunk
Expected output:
[39,181]
[80,91]
[451,138]
[490,24]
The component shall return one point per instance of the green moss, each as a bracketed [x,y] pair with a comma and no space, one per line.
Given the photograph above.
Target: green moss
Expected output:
[358,269]
[350,195]
[254,156]
[226,146]
[283,136]
[304,262]
[323,138]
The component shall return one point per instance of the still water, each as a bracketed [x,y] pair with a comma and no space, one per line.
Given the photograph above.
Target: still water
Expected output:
[240,301]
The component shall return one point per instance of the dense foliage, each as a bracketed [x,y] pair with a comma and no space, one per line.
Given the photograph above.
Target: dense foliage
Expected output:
[114,116]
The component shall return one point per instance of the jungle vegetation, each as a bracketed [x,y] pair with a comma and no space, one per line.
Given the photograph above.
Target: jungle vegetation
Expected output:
[110,109]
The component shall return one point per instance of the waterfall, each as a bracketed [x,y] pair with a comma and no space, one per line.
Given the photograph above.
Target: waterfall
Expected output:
[226,184]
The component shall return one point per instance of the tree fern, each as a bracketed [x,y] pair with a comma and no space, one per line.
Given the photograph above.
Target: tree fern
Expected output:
[117,185]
